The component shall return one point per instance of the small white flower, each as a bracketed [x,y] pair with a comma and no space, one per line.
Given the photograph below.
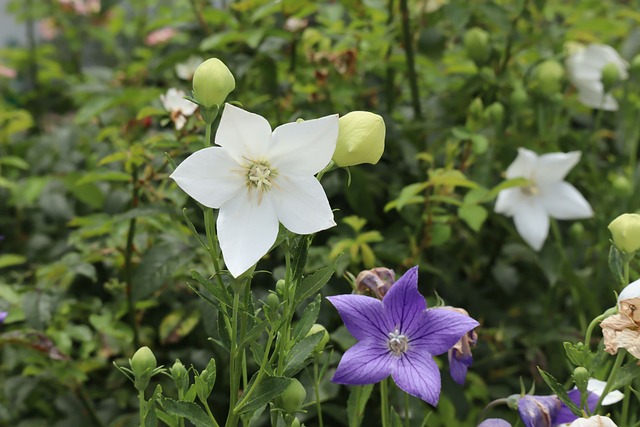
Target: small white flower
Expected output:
[594,421]
[632,290]
[258,178]
[547,195]
[585,72]
[185,70]
[597,387]
[178,107]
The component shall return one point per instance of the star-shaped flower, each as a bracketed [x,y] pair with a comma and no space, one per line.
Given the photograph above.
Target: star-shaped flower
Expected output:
[547,194]
[585,72]
[258,178]
[398,336]
[178,107]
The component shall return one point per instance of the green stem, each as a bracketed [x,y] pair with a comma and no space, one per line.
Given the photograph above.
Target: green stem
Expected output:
[491,405]
[596,321]
[411,66]
[261,372]
[200,17]
[316,390]
[128,263]
[143,407]
[612,375]
[389,86]
[406,409]
[624,418]
[234,371]
[384,402]
[283,339]
[211,417]
[207,134]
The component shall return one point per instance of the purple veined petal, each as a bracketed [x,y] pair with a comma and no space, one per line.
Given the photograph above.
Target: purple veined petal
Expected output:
[564,414]
[417,373]
[563,201]
[210,176]
[437,330]
[304,148]
[301,204]
[363,316]
[538,411]
[367,362]
[532,222]
[243,135]
[247,229]
[494,422]
[404,304]
[458,366]
[523,166]
[554,167]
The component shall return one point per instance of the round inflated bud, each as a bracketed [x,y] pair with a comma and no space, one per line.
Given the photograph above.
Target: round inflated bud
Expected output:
[273,301]
[212,82]
[360,139]
[519,97]
[621,185]
[180,376]
[625,232]
[476,45]
[581,378]
[293,397]
[610,76]
[495,113]
[316,328]
[548,77]
[142,364]
[280,284]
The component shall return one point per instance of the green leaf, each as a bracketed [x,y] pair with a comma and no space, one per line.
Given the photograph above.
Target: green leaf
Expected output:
[308,319]
[410,194]
[358,398]
[10,260]
[626,375]
[188,410]
[99,176]
[473,215]
[616,264]
[578,354]
[156,266]
[150,111]
[265,392]
[299,252]
[560,392]
[15,162]
[314,282]
[300,352]
[177,324]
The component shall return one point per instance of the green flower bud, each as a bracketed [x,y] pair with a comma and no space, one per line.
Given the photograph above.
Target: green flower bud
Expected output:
[610,76]
[293,397]
[142,364]
[577,230]
[621,185]
[280,284]
[581,378]
[625,231]
[360,139]
[476,45]
[476,108]
[180,376]
[495,114]
[212,82]
[519,97]
[635,65]
[547,77]
[295,423]
[273,302]
[323,341]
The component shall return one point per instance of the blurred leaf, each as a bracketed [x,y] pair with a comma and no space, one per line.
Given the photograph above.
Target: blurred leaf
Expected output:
[177,325]
[157,265]
[473,215]
[10,260]
[188,410]
[357,402]
[98,176]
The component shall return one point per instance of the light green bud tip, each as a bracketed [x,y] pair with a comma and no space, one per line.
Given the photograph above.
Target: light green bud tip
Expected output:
[293,397]
[548,77]
[476,45]
[212,82]
[610,76]
[581,378]
[360,139]
[323,341]
[625,231]
[143,362]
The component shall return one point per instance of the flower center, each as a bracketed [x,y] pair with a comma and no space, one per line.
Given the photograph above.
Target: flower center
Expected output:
[530,190]
[260,176]
[398,343]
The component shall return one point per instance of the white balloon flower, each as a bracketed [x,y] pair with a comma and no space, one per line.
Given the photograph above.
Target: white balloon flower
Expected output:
[178,107]
[594,421]
[546,195]
[258,178]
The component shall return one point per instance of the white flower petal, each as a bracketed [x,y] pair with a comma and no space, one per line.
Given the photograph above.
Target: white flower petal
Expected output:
[507,201]
[187,107]
[532,222]
[243,135]
[301,204]
[632,290]
[523,166]
[180,121]
[593,96]
[563,201]
[553,167]
[246,230]
[597,387]
[210,176]
[306,147]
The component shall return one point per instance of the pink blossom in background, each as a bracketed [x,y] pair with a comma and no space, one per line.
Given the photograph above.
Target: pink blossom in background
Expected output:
[48,29]
[7,72]
[82,7]
[160,36]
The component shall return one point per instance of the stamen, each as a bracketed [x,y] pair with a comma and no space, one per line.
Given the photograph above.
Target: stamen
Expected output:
[260,176]
[398,343]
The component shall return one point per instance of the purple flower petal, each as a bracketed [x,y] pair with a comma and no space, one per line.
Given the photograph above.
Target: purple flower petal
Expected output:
[438,329]
[538,411]
[494,422]
[403,303]
[3,315]
[564,414]
[367,362]
[363,316]
[458,366]
[417,374]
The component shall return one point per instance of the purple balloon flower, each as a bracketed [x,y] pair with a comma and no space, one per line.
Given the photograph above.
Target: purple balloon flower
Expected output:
[549,411]
[494,422]
[398,336]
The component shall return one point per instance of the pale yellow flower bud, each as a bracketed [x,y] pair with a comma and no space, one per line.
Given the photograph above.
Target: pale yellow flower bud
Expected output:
[212,82]
[625,231]
[360,139]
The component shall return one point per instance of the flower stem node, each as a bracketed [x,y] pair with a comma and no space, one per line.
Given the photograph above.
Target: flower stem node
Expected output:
[292,397]
[212,82]
[315,329]
[143,363]
[625,232]
[476,45]
[360,139]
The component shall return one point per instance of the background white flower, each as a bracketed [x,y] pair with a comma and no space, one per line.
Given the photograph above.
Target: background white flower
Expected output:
[585,72]
[258,178]
[178,107]
[547,195]
[594,421]
[185,70]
